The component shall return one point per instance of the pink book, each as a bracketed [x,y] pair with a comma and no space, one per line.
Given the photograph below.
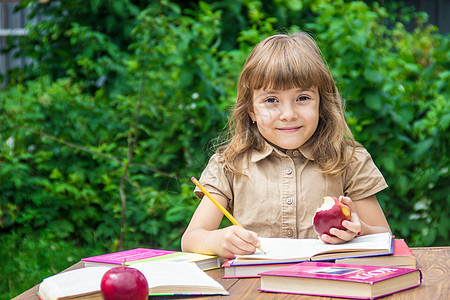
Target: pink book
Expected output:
[402,257]
[116,258]
[340,280]
[401,248]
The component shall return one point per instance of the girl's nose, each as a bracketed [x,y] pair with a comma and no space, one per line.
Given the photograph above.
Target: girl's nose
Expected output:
[288,113]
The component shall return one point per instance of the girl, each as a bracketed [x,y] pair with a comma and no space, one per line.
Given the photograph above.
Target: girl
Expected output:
[290,146]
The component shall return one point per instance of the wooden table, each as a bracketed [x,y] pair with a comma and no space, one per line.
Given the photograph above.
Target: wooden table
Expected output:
[433,261]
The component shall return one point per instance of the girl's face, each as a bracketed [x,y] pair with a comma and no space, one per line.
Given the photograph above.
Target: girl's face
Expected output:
[287,118]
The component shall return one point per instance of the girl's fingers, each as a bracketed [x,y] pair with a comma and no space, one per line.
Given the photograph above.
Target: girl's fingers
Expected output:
[347,201]
[331,239]
[353,225]
[238,241]
[248,236]
[343,235]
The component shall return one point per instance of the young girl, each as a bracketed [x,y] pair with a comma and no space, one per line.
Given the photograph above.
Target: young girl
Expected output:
[290,146]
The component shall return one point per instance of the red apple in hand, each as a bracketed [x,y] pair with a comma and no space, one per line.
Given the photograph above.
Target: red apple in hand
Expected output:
[124,283]
[329,215]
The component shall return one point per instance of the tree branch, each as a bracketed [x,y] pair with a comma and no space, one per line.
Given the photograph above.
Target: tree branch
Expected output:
[109,157]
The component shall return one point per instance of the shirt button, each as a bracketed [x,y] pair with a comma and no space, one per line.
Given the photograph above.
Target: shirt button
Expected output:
[296,153]
[289,233]
[289,200]
[288,171]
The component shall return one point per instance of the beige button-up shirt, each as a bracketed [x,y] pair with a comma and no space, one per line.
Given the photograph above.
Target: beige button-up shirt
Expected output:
[282,191]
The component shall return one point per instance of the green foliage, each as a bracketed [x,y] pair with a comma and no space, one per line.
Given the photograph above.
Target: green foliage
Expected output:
[38,257]
[65,150]
[70,33]
[134,94]
[395,83]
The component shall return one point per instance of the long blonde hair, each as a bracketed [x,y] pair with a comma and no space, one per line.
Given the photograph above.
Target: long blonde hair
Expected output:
[282,62]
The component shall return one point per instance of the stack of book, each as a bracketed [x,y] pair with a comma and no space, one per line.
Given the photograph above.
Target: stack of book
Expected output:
[380,265]
[290,251]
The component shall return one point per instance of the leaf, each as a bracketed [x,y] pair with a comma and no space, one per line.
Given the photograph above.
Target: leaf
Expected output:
[422,147]
[372,76]
[373,101]
[428,236]
[55,174]
[294,5]
[444,121]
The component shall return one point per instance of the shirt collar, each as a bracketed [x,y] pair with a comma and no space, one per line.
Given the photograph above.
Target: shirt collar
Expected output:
[268,149]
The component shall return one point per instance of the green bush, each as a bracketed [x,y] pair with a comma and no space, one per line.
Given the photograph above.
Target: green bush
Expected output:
[396,86]
[65,151]
[38,257]
[96,154]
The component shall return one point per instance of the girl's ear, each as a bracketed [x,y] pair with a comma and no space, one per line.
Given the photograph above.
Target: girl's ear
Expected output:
[251,113]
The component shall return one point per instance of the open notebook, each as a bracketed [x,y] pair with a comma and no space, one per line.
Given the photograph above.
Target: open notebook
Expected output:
[164,278]
[285,250]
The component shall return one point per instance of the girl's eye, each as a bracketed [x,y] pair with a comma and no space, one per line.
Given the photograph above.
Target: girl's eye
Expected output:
[271,100]
[303,98]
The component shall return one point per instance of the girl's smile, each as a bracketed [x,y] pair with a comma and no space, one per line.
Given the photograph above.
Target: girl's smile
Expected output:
[286,118]
[289,129]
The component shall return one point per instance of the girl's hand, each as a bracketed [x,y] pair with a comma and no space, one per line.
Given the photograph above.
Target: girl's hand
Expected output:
[353,227]
[233,240]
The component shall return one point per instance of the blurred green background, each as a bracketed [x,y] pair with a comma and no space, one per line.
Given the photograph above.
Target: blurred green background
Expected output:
[123,101]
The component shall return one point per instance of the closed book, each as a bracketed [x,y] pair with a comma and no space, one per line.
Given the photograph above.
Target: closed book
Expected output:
[247,271]
[401,257]
[138,255]
[164,278]
[340,280]
[285,250]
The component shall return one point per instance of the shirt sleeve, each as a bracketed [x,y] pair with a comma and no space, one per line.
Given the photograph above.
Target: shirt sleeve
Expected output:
[215,179]
[362,178]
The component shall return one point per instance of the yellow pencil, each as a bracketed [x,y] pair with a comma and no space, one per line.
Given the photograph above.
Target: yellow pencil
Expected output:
[219,206]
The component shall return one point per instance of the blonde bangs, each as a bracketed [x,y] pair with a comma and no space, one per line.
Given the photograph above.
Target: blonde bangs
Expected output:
[284,62]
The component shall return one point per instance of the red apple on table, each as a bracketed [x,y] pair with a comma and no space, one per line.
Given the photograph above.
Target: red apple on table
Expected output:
[124,283]
[329,215]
